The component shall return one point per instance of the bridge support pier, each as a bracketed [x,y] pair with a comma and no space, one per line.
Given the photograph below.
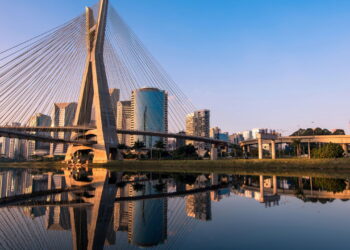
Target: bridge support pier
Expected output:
[345,148]
[274,183]
[260,148]
[214,152]
[273,149]
[261,182]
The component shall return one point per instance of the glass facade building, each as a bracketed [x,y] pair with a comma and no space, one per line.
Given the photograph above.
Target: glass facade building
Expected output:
[149,113]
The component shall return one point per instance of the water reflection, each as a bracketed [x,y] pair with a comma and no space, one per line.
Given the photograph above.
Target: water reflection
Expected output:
[123,210]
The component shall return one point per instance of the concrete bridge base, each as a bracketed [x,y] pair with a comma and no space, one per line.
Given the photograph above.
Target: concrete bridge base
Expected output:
[214,153]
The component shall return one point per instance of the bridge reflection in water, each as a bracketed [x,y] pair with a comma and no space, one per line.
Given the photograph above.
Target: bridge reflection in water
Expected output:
[133,209]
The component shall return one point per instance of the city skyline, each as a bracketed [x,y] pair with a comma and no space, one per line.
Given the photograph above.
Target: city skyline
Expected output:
[306,58]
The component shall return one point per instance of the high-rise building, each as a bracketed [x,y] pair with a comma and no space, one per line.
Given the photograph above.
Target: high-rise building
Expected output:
[5,146]
[149,113]
[236,138]
[15,146]
[12,148]
[115,95]
[62,116]
[256,131]
[33,147]
[124,121]
[198,124]
[247,135]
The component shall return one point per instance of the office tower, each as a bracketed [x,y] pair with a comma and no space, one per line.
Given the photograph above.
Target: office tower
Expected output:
[149,113]
[62,116]
[11,148]
[115,95]
[247,135]
[218,135]
[33,147]
[124,121]
[5,146]
[236,138]
[198,124]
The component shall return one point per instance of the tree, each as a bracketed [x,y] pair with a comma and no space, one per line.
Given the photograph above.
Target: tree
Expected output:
[187,151]
[329,184]
[297,145]
[160,146]
[339,132]
[138,146]
[237,151]
[122,146]
[329,150]
[310,131]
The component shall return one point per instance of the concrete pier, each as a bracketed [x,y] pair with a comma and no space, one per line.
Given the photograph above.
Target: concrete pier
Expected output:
[214,152]
[345,148]
[273,149]
[260,148]
[274,183]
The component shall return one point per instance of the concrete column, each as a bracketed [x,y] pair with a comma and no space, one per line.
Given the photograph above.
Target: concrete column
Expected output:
[248,148]
[260,149]
[309,150]
[345,148]
[274,180]
[214,152]
[261,182]
[300,183]
[214,179]
[273,150]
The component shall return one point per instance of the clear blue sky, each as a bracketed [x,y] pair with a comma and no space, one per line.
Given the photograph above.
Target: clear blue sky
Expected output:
[279,64]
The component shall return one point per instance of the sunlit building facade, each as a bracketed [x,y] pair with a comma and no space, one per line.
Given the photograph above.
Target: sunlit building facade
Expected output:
[38,148]
[124,121]
[115,95]
[198,124]
[62,116]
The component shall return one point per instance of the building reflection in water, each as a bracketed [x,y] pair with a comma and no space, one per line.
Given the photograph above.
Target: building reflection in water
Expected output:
[198,206]
[94,219]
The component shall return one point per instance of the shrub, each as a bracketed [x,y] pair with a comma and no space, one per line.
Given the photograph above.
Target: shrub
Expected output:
[328,151]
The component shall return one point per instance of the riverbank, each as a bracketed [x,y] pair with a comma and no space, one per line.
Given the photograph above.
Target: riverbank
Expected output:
[282,167]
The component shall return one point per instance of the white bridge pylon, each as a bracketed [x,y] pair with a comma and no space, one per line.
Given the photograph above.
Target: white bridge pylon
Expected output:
[94,92]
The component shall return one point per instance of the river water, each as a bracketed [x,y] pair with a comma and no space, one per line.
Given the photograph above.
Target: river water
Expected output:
[102,209]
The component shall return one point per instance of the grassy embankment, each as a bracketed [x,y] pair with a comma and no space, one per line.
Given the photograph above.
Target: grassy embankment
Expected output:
[281,167]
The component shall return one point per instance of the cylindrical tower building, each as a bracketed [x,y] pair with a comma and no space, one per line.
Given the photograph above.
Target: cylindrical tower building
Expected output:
[149,113]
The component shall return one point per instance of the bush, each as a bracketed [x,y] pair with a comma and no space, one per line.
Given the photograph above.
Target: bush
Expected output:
[328,151]
[330,185]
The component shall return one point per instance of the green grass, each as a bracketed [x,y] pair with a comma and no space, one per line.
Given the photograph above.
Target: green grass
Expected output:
[282,167]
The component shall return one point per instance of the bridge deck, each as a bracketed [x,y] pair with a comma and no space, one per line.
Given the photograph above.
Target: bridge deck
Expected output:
[340,139]
[18,132]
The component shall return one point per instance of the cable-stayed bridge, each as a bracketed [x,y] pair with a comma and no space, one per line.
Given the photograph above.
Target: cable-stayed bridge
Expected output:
[83,61]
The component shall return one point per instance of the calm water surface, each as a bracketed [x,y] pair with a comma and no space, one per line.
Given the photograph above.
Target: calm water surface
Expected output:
[121,210]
